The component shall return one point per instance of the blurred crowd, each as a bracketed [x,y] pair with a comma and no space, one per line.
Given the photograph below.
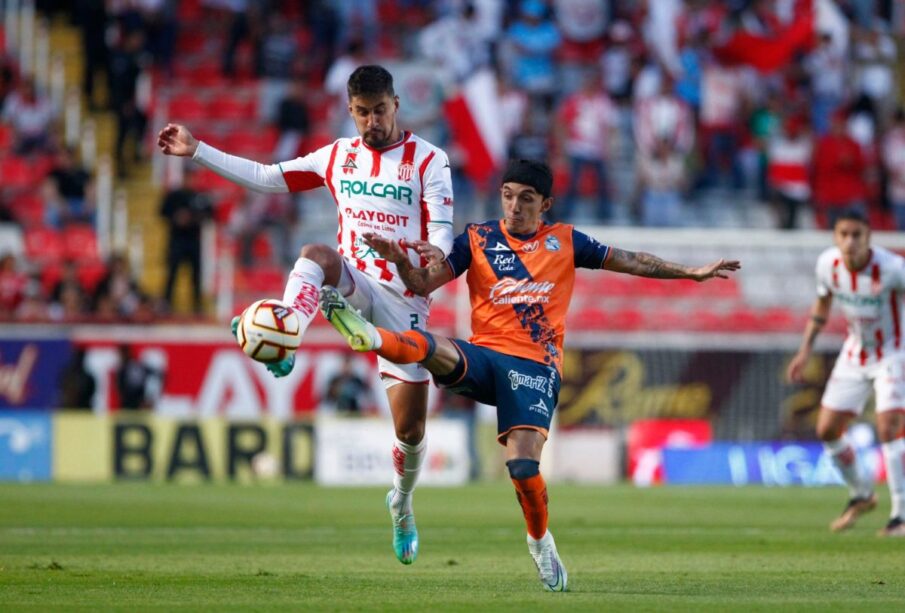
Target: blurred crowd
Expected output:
[652,113]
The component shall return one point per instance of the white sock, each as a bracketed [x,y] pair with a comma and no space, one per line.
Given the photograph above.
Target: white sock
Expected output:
[846,461]
[894,457]
[537,544]
[407,461]
[302,289]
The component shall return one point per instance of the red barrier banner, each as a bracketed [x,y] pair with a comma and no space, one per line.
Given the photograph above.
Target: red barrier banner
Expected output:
[210,379]
[647,439]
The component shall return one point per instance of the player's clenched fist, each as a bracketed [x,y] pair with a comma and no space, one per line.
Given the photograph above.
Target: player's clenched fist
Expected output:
[175,139]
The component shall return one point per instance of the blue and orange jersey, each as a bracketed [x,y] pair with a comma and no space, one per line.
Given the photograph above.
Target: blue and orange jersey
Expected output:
[520,286]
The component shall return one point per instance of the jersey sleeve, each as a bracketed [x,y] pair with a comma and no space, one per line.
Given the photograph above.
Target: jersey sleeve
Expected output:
[588,252]
[823,288]
[247,173]
[899,267]
[307,172]
[459,258]
[437,193]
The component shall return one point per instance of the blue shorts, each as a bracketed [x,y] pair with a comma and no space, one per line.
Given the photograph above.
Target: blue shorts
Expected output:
[524,392]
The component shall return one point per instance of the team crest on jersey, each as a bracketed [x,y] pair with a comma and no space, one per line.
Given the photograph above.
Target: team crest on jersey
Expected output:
[551,243]
[406,171]
[530,247]
[349,166]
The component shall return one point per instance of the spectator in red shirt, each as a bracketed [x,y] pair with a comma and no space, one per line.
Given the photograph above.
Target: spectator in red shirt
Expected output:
[839,173]
[12,285]
[588,121]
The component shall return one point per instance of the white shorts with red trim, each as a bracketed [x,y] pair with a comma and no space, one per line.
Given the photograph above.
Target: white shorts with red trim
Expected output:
[849,385]
[384,308]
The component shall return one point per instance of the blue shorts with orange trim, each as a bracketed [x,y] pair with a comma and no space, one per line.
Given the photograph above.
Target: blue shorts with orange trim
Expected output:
[524,392]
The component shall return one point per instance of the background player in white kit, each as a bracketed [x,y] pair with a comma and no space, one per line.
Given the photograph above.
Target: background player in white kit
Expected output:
[385,180]
[868,283]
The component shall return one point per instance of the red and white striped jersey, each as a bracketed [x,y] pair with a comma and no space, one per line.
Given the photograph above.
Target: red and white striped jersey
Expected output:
[789,166]
[870,299]
[402,192]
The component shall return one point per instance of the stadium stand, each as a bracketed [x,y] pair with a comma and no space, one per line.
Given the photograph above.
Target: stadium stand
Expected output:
[709,63]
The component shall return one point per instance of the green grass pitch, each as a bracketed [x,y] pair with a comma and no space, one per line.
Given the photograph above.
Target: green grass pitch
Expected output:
[142,547]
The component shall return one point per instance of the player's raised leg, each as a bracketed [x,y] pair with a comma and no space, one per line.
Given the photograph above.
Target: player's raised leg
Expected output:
[316,265]
[523,448]
[831,426]
[890,426]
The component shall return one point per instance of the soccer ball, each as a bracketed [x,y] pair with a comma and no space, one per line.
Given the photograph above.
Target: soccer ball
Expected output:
[268,331]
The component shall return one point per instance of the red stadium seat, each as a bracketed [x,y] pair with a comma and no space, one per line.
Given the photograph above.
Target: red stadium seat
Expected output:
[80,243]
[224,209]
[209,181]
[782,319]
[50,275]
[251,141]
[229,108]
[743,320]
[668,320]
[262,248]
[91,272]
[261,280]
[706,320]
[28,209]
[626,320]
[16,172]
[6,137]
[187,107]
[44,244]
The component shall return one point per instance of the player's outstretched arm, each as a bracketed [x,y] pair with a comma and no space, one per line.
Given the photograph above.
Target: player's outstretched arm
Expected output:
[819,314]
[420,281]
[175,139]
[646,265]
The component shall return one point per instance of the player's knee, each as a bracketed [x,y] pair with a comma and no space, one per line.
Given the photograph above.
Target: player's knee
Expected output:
[411,434]
[523,468]
[829,432]
[324,256]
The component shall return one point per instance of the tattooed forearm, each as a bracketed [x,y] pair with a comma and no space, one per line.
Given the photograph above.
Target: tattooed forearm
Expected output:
[645,265]
[422,281]
[414,278]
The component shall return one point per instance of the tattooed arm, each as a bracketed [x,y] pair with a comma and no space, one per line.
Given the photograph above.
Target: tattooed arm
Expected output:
[819,314]
[420,281]
[646,265]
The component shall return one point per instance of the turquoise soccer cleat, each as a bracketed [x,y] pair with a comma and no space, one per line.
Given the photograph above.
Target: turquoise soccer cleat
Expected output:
[405,534]
[277,369]
[283,367]
[358,332]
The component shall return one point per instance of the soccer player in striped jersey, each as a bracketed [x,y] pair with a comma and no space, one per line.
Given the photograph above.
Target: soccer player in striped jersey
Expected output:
[520,277]
[867,282]
[384,180]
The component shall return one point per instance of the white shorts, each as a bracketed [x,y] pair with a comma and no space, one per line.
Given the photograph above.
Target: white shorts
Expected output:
[383,307]
[849,385]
